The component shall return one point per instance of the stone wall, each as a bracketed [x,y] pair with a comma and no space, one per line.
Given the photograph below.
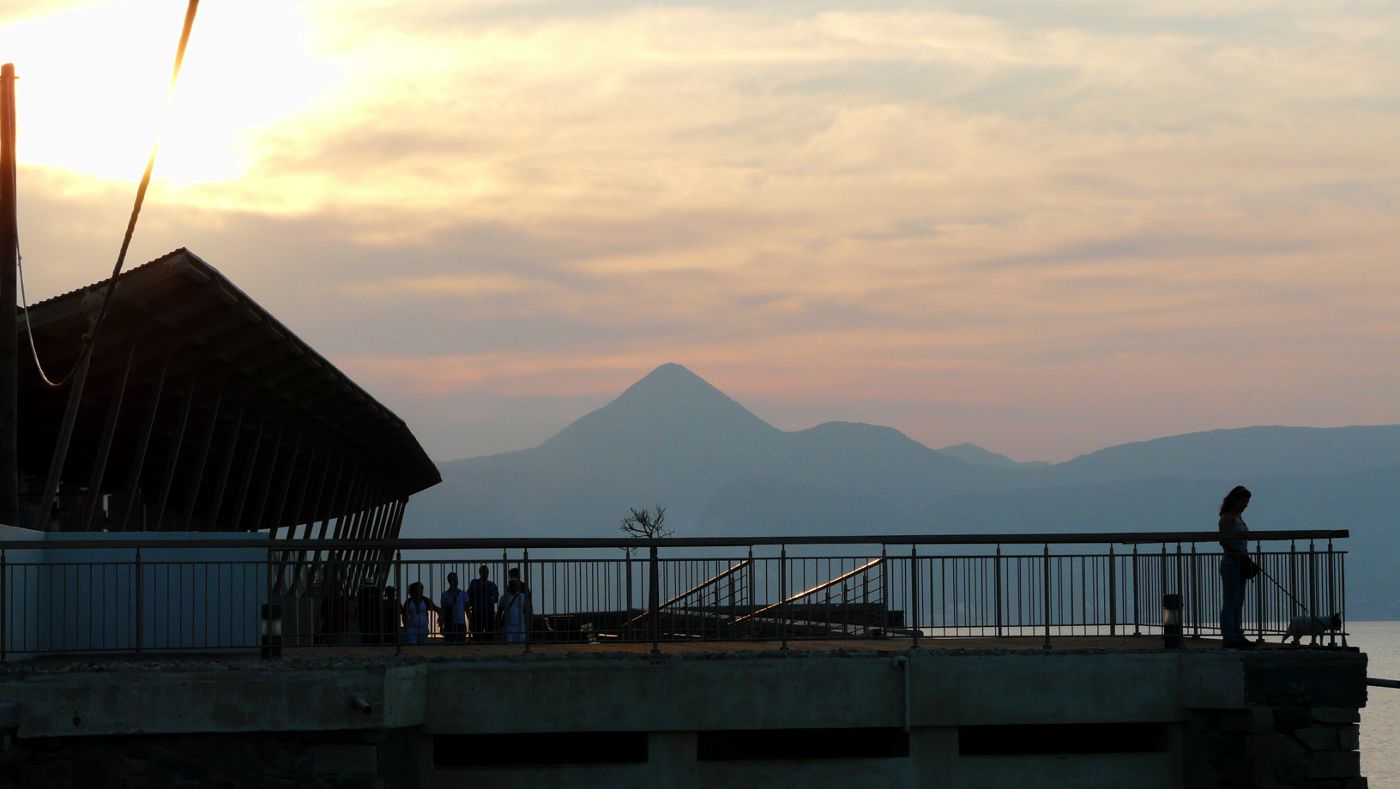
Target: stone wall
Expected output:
[1301,727]
[1226,719]
[293,760]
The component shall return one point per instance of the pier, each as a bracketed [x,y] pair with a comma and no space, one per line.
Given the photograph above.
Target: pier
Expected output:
[816,661]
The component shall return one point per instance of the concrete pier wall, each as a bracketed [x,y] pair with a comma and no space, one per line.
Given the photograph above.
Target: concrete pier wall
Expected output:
[918,718]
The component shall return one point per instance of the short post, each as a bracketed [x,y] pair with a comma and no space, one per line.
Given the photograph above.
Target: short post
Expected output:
[1171,621]
[654,601]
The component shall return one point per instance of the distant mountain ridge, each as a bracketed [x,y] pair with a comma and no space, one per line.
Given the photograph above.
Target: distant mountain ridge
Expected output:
[673,439]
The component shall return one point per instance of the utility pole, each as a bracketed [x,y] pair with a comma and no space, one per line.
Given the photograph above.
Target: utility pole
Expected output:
[9,315]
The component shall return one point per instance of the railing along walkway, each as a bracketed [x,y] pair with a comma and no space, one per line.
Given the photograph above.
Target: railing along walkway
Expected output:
[117,593]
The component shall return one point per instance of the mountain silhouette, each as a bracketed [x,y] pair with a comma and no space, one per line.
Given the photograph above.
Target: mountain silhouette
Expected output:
[675,440]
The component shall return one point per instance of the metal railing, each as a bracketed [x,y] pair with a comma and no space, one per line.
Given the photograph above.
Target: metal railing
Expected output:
[154,595]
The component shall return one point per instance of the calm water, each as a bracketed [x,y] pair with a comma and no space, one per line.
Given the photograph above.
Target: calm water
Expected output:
[1380,720]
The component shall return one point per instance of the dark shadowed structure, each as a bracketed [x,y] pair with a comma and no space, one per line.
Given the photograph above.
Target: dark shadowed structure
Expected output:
[199,411]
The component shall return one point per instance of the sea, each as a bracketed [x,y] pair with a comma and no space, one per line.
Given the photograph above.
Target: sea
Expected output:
[1380,719]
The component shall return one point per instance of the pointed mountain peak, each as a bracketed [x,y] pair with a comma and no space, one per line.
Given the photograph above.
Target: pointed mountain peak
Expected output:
[670,380]
[670,403]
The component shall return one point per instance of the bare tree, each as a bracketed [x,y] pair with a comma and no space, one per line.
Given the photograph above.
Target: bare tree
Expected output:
[647,524]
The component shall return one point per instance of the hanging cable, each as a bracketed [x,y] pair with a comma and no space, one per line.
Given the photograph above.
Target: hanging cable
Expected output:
[90,336]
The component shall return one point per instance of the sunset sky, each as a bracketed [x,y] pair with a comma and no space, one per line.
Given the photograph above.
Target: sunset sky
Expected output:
[1045,227]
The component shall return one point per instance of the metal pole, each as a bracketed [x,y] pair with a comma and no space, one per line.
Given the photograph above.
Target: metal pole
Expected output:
[884,590]
[393,625]
[1259,596]
[782,591]
[65,437]
[627,618]
[1112,592]
[1137,610]
[996,579]
[914,586]
[1046,572]
[9,334]
[654,602]
[104,448]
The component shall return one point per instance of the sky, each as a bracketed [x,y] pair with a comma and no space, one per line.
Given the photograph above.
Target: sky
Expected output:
[1044,227]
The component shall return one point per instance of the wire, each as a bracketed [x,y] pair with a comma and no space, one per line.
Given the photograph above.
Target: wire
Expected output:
[90,336]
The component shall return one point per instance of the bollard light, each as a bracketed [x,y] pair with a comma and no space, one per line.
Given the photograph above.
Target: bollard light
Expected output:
[1171,621]
[270,627]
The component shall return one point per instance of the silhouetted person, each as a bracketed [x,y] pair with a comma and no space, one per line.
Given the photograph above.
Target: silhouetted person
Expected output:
[1235,567]
[415,615]
[482,596]
[515,611]
[513,574]
[454,612]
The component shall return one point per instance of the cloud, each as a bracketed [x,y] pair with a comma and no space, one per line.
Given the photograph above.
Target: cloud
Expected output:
[1038,226]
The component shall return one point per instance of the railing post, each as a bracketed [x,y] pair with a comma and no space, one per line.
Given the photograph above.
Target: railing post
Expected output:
[140,612]
[393,624]
[753,595]
[1259,595]
[530,607]
[1046,572]
[782,594]
[1137,602]
[914,592]
[654,601]
[1195,593]
[1342,589]
[1293,574]
[1112,593]
[884,590]
[1331,589]
[1312,579]
[627,560]
[996,572]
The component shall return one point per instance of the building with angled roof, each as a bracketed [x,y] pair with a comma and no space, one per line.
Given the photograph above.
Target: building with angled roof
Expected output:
[197,410]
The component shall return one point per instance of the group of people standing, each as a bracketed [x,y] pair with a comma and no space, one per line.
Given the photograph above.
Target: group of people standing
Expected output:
[480,610]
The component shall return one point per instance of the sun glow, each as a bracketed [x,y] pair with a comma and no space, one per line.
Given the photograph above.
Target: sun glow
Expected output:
[93,86]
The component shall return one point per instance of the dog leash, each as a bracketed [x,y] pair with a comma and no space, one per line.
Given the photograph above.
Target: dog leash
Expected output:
[1284,589]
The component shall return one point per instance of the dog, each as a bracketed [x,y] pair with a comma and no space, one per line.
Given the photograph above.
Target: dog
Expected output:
[1312,626]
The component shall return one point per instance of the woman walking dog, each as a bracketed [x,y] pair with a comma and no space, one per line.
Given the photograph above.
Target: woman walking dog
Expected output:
[1235,567]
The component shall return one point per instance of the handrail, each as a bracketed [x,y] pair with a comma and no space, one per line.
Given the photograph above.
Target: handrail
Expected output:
[687,593]
[842,578]
[448,543]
